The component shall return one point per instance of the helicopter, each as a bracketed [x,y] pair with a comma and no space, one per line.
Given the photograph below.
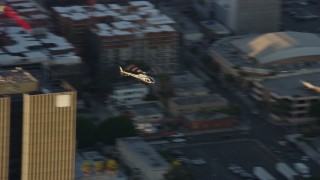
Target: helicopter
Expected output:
[135,72]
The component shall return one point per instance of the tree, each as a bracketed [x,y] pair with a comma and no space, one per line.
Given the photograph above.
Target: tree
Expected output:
[111,166]
[86,133]
[116,127]
[86,168]
[99,166]
[315,109]
[229,78]
[214,66]
[178,172]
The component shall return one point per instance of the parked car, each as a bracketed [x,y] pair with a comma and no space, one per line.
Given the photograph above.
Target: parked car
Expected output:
[235,168]
[198,161]
[246,175]
[177,135]
[178,140]
[305,158]
[176,152]
[184,160]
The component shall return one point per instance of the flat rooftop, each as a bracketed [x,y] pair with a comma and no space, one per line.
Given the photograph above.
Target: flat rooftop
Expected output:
[216,27]
[186,79]
[128,86]
[16,76]
[139,16]
[47,48]
[144,152]
[30,78]
[198,99]
[292,85]
[206,117]
[29,11]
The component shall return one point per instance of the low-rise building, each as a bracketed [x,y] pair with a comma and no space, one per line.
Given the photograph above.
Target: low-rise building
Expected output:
[146,113]
[127,94]
[186,78]
[289,96]
[208,121]
[185,90]
[136,153]
[187,105]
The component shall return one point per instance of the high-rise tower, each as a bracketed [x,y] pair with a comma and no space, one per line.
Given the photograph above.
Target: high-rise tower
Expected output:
[37,126]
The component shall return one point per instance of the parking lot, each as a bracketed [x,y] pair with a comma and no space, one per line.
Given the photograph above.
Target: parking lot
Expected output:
[219,155]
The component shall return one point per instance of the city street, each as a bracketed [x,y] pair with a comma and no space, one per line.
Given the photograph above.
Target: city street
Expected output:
[259,126]
[219,155]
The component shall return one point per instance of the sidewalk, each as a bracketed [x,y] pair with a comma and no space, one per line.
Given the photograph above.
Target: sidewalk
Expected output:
[238,128]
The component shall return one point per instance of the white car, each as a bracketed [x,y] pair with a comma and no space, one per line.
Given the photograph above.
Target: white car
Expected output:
[198,161]
[305,158]
[177,135]
[184,160]
[178,140]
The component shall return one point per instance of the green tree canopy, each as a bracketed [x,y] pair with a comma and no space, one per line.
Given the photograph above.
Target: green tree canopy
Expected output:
[86,133]
[116,127]
[178,172]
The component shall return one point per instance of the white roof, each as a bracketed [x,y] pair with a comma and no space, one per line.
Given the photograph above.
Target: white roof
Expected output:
[38,16]
[140,3]
[25,5]
[103,26]
[6,59]
[36,56]
[59,42]
[70,9]
[273,47]
[129,17]
[163,19]
[24,41]
[123,25]
[119,32]
[114,6]
[78,16]
[67,59]
[27,10]
[100,7]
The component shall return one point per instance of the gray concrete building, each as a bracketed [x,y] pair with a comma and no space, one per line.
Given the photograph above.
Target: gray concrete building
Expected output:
[188,105]
[138,154]
[249,16]
[297,91]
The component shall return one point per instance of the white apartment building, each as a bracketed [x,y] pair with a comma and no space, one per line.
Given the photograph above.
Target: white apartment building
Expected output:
[126,94]
[138,154]
[249,16]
